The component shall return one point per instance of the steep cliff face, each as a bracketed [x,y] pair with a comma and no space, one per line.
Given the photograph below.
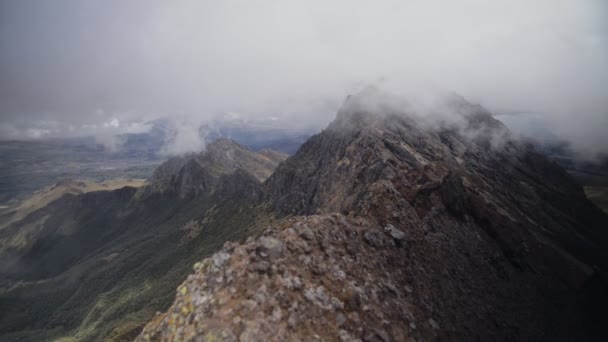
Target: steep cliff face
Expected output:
[448,230]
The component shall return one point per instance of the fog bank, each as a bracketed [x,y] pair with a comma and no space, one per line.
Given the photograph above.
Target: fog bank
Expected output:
[71,67]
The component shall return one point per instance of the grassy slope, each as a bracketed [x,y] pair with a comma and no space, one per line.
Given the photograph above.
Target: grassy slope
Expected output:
[93,299]
[48,194]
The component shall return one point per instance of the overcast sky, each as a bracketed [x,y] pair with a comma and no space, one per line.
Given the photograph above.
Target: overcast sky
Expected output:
[76,66]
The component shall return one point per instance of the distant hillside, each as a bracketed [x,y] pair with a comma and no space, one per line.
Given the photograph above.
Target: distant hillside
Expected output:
[27,166]
[98,265]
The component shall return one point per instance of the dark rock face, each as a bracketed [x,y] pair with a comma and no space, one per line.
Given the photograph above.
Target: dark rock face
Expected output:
[194,174]
[465,234]
[453,194]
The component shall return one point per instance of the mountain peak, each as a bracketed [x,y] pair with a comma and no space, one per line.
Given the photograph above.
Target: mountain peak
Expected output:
[431,211]
[223,144]
[377,136]
[372,108]
[194,174]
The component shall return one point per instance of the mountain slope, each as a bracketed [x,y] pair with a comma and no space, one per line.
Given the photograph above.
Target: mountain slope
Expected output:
[454,231]
[19,237]
[104,262]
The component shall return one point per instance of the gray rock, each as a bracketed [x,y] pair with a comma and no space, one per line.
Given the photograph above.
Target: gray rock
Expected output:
[433,324]
[374,238]
[251,333]
[293,319]
[377,335]
[260,266]
[394,232]
[345,336]
[292,283]
[318,267]
[318,296]
[340,319]
[307,234]
[220,258]
[271,246]
[352,247]
[453,194]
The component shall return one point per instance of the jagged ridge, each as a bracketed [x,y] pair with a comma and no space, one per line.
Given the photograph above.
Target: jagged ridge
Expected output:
[194,174]
[494,242]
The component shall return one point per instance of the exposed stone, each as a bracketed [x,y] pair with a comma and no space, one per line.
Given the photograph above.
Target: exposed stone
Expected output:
[374,238]
[307,234]
[292,321]
[260,266]
[220,258]
[394,232]
[377,335]
[340,319]
[271,246]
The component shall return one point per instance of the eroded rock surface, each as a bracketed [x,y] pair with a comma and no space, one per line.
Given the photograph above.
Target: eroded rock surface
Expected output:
[315,277]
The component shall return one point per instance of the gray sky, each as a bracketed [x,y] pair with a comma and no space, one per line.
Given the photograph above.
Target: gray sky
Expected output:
[71,67]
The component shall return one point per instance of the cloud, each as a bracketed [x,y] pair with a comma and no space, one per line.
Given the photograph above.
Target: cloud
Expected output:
[63,61]
[183,136]
[113,123]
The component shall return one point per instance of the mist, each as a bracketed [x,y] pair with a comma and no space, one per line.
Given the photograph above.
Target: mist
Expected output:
[74,67]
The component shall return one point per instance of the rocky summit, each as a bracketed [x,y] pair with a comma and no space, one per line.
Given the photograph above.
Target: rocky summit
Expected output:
[393,226]
[193,174]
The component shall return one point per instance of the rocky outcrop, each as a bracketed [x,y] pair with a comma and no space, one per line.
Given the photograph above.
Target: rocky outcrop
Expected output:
[193,174]
[333,277]
[318,277]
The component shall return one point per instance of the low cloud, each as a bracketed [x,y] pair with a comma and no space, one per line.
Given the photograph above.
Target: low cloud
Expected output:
[183,136]
[99,65]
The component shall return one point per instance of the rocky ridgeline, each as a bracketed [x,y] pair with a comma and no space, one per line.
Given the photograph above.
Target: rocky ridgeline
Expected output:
[327,277]
[194,174]
[448,231]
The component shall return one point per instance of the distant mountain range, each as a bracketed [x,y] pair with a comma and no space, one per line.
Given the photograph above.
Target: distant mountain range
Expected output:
[27,166]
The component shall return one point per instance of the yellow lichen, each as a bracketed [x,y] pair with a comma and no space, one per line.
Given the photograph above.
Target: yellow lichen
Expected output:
[183,290]
[196,266]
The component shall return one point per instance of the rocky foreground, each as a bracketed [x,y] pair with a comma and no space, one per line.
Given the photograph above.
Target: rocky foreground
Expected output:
[322,277]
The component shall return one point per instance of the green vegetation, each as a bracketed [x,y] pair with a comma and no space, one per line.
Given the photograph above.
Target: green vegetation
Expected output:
[80,264]
[105,281]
